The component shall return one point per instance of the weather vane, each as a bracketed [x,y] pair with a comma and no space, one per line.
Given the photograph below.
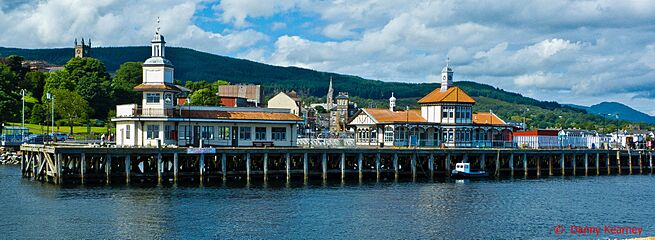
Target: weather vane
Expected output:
[158,25]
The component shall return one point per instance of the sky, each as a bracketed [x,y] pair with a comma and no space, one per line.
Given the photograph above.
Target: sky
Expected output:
[579,52]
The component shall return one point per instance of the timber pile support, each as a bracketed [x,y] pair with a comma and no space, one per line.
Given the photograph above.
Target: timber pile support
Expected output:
[85,164]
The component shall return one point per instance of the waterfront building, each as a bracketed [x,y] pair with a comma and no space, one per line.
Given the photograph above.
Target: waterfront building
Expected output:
[538,138]
[446,118]
[159,119]
[575,138]
[252,93]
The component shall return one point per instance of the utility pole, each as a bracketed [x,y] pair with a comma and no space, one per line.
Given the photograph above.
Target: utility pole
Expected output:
[22,93]
[52,110]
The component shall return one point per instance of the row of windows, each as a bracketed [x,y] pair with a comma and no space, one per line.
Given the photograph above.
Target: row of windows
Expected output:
[459,112]
[155,97]
[214,133]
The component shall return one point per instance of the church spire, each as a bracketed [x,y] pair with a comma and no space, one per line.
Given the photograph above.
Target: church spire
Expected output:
[330,95]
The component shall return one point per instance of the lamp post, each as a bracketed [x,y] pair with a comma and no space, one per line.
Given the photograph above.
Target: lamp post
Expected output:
[407,125]
[52,110]
[22,93]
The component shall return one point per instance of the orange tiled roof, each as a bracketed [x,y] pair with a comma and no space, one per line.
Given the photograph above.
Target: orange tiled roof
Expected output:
[156,87]
[452,95]
[487,118]
[385,115]
[269,116]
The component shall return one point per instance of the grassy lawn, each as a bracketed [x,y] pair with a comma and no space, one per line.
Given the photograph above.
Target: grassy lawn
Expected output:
[77,130]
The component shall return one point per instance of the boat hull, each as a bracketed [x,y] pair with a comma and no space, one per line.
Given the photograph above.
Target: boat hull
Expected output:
[463,175]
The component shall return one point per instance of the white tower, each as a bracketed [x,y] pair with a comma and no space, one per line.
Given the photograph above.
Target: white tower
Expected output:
[159,88]
[392,103]
[446,77]
[157,69]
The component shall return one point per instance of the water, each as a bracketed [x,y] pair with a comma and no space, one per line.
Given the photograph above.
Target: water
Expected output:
[520,208]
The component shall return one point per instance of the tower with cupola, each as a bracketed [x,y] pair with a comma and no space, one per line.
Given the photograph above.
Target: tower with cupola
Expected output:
[158,87]
[446,76]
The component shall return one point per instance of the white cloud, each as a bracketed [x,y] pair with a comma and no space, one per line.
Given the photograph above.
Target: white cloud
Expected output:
[236,11]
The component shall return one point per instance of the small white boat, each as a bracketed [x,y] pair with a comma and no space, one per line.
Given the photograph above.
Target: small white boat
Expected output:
[463,171]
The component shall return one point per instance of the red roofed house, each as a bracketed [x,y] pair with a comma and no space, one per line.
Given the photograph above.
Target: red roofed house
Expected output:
[446,118]
[162,119]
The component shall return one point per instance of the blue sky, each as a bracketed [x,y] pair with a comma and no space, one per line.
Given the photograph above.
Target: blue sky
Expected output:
[580,52]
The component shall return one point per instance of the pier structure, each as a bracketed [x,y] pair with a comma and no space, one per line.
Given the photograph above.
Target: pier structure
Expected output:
[85,164]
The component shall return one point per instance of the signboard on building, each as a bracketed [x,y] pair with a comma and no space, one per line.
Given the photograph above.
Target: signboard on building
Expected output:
[201,150]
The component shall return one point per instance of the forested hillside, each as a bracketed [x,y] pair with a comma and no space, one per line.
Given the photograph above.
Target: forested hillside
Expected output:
[191,65]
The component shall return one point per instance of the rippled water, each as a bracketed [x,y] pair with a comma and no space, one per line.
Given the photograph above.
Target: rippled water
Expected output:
[519,208]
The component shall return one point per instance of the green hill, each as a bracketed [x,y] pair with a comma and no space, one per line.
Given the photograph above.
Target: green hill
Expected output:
[194,65]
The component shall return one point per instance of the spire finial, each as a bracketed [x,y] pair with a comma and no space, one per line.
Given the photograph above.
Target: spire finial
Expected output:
[447,60]
[157,32]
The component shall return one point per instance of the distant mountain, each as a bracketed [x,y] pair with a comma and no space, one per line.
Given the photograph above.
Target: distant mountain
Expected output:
[194,65]
[625,112]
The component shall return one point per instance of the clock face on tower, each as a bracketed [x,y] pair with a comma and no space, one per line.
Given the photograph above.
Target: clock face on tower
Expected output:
[79,51]
[444,77]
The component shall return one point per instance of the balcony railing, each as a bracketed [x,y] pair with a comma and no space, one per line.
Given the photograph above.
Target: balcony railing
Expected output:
[133,110]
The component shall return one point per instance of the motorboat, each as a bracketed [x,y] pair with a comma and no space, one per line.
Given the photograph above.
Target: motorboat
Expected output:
[463,171]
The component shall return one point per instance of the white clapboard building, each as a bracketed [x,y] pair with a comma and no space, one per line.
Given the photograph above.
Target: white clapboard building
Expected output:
[159,120]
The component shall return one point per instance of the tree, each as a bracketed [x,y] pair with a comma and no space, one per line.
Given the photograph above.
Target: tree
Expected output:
[205,97]
[92,83]
[8,94]
[58,80]
[70,106]
[34,82]
[128,76]
[39,114]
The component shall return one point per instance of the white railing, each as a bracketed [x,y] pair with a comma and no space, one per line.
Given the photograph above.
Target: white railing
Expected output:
[326,142]
[133,110]
[125,110]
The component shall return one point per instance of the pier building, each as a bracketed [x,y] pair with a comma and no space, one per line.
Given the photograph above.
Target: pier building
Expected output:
[159,119]
[446,118]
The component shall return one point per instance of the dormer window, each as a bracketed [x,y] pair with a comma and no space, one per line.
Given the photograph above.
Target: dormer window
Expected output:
[153,97]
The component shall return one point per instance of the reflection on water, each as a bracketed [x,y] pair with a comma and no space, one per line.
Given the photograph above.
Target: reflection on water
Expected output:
[528,208]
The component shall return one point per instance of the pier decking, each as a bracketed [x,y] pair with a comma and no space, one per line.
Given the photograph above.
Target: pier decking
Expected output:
[83,164]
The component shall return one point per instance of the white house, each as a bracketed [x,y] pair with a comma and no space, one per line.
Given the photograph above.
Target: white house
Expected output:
[158,118]
[446,118]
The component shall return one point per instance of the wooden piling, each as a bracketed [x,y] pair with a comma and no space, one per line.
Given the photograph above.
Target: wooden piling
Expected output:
[573,163]
[82,167]
[448,159]
[305,166]
[413,163]
[550,166]
[360,156]
[201,168]
[630,161]
[265,166]
[597,164]
[561,163]
[618,160]
[650,161]
[431,165]
[128,167]
[586,164]
[511,164]
[176,163]
[395,164]
[497,174]
[641,171]
[324,165]
[607,163]
[483,162]
[224,166]
[343,166]
[287,161]
[108,167]
[525,164]
[160,168]
[377,165]
[538,166]
[248,166]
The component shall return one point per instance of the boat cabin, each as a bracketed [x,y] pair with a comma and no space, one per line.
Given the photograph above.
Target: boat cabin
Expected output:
[463,167]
